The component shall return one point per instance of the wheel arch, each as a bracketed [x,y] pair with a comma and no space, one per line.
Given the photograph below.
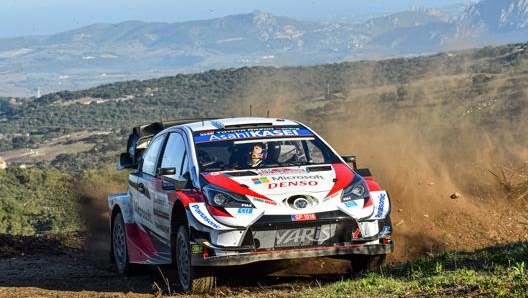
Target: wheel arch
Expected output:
[178,218]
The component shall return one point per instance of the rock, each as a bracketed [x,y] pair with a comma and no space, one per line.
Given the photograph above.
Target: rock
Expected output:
[455,195]
[399,223]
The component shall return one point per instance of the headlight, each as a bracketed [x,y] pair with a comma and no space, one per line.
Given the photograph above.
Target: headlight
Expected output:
[357,190]
[220,197]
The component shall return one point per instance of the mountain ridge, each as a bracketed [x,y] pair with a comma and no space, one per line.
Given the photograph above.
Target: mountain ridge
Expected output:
[103,52]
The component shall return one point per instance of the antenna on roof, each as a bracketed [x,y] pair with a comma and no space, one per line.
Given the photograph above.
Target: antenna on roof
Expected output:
[250,112]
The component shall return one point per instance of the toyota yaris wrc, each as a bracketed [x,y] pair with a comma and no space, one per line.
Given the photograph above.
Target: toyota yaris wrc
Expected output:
[209,193]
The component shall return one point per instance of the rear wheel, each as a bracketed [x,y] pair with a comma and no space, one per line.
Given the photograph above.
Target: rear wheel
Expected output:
[190,279]
[120,249]
[367,263]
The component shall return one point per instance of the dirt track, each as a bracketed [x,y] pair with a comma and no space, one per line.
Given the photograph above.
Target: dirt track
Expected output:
[33,267]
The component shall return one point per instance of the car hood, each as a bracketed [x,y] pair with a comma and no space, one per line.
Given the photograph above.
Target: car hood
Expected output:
[274,184]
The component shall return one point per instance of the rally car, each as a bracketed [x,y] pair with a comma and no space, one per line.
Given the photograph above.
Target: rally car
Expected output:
[209,193]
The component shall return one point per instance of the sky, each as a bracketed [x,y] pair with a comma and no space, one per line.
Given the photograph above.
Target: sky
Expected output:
[44,17]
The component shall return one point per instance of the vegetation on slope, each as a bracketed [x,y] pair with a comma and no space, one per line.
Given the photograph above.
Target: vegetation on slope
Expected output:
[218,93]
[39,201]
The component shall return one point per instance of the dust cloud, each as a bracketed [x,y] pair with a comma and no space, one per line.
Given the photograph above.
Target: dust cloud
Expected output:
[92,192]
[440,177]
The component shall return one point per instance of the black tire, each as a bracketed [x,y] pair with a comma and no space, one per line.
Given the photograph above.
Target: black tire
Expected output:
[190,279]
[367,263]
[119,248]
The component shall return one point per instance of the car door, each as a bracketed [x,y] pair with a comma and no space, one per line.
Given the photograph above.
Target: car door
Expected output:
[173,165]
[142,182]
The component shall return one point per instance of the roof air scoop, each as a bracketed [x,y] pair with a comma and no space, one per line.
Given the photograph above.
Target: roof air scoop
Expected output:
[218,124]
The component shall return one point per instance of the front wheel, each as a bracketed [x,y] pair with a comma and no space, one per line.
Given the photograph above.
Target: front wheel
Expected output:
[190,279]
[366,263]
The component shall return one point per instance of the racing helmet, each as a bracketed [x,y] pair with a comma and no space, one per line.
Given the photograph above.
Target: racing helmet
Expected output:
[257,154]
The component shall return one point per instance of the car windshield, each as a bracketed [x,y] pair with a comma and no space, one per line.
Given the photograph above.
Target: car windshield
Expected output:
[240,150]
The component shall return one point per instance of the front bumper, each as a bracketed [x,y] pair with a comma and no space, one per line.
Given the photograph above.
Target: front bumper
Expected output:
[277,237]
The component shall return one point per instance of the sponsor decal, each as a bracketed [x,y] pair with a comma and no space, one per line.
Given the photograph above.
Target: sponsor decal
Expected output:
[381,204]
[247,211]
[350,204]
[385,231]
[298,177]
[304,235]
[291,183]
[303,217]
[260,180]
[197,249]
[264,201]
[356,234]
[142,213]
[282,171]
[249,134]
[206,218]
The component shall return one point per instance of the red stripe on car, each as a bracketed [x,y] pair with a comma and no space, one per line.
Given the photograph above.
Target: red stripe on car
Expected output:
[344,177]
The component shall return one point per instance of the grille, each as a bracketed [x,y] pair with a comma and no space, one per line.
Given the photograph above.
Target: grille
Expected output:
[302,235]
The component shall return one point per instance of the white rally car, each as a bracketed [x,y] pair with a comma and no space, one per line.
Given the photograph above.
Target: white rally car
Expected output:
[222,192]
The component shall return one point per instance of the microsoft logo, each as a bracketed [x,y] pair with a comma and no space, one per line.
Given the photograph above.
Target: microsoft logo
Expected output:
[260,180]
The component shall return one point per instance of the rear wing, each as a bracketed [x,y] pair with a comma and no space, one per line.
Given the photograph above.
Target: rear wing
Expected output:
[139,139]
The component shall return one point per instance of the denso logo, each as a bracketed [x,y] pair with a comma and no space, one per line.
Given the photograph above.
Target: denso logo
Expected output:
[291,183]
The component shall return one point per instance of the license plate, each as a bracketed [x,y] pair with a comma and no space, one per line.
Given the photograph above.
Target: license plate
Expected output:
[303,217]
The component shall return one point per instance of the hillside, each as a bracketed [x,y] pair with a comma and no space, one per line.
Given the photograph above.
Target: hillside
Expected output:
[481,88]
[105,53]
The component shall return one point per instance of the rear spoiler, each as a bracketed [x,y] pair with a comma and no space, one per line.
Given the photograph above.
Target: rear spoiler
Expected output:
[140,137]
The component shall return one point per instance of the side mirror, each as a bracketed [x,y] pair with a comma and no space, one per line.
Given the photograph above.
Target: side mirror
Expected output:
[351,159]
[125,162]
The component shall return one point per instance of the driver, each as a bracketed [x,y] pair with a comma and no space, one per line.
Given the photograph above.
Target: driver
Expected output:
[257,154]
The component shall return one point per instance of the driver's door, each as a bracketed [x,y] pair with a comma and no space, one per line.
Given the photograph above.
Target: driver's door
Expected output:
[142,182]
